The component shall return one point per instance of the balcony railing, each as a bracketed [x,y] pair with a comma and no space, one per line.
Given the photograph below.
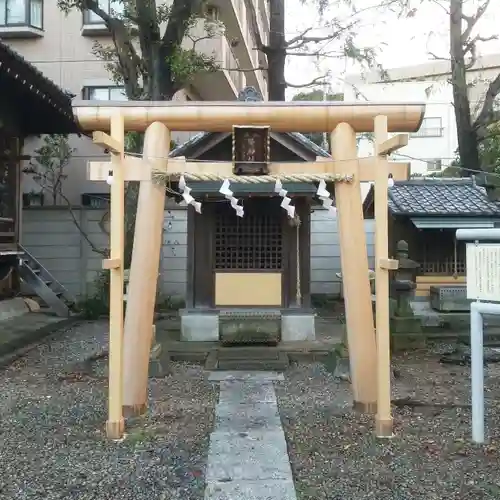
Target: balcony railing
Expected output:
[448,267]
[428,132]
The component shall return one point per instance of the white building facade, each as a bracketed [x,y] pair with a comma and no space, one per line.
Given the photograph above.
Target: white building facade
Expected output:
[61,46]
[434,146]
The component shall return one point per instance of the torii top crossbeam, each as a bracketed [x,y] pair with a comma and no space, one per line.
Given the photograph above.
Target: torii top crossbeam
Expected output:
[221,116]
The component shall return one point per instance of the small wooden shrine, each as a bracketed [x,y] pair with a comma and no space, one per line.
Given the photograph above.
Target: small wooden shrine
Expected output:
[426,213]
[249,264]
[30,104]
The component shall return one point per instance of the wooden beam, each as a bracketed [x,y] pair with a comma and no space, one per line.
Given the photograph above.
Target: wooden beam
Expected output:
[134,169]
[111,264]
[393,144]
[384,418]
[115,424]
[389,264]
[222,116]
[137,169]
[108,142]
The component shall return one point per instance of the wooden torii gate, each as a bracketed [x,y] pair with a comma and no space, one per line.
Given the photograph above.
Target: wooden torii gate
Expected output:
[130,342]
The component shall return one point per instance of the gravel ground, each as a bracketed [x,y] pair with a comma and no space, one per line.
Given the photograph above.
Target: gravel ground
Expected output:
[52,437]
[335,455]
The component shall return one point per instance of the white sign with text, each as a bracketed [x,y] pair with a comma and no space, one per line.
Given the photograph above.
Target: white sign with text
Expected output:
[483,271]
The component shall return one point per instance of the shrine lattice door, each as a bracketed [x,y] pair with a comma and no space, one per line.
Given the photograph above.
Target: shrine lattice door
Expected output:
[248,254]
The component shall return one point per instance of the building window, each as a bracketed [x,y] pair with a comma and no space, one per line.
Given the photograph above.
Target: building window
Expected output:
[114,7]
[109,93]
[435,165]
[21,13]
[431,127]
[212,13]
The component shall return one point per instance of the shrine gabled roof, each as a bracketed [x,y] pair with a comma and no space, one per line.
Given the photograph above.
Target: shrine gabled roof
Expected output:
[437,197]
[198,139]
[249,94]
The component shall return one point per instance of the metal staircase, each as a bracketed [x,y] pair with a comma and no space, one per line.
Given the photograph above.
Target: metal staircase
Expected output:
[44,285]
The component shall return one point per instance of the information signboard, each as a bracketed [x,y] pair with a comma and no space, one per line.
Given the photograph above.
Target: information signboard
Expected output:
[483,271]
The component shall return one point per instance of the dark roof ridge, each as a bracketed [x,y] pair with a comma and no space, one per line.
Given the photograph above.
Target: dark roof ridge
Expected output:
[433,181]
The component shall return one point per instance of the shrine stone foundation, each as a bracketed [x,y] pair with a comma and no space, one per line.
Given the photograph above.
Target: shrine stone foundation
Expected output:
[286,326]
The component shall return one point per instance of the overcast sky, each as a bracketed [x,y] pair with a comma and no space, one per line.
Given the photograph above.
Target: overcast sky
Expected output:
[402,42]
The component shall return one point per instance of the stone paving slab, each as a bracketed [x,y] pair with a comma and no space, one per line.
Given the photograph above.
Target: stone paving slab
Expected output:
[247,442]
[255,376]
[251,490]
[239,392]
[262,463]
[248,458]
[246,417]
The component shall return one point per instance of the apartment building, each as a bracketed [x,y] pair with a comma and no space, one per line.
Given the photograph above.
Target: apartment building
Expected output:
[434,146]
[60,46]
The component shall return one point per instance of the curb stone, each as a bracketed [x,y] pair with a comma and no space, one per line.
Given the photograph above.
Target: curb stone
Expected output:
[17,348]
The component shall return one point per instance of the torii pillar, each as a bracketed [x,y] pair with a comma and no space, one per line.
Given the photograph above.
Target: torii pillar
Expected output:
[354,264]
[143,278]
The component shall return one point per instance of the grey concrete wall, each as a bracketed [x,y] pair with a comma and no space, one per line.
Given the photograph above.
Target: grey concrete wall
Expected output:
[325,252]
[51,235]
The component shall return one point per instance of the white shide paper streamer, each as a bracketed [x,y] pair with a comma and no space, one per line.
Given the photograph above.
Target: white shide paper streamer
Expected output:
[186,194]
[224,189]
[290,209]
[324,195]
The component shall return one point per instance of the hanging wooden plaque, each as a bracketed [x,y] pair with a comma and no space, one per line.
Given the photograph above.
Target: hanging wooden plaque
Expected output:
[251,150]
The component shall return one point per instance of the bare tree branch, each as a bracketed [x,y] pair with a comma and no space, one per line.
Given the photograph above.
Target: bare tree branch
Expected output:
[298,37]
[471,21]
[438,58]
[245,70]
[472,57]
[331,54]
[320,80]
[441,6]
[302,41]
[470,46]
[127,57]
[487,111]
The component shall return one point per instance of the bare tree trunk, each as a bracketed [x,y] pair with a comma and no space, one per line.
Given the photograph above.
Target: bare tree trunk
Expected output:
[466,133]
[276,51]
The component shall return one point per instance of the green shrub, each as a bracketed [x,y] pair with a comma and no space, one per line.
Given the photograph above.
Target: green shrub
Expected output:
[96,303]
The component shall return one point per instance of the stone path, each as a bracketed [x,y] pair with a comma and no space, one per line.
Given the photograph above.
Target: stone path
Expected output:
[248,457]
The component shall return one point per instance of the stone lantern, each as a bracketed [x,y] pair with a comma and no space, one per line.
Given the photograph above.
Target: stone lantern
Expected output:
[403,286]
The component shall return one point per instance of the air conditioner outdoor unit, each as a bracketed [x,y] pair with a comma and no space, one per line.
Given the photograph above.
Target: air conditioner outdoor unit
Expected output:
[449,298]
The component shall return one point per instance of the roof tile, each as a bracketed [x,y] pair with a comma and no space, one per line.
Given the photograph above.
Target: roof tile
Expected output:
[459,197]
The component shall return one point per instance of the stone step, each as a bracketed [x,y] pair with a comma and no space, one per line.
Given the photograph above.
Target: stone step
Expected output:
[251,365]
[248,352]
[248,358]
